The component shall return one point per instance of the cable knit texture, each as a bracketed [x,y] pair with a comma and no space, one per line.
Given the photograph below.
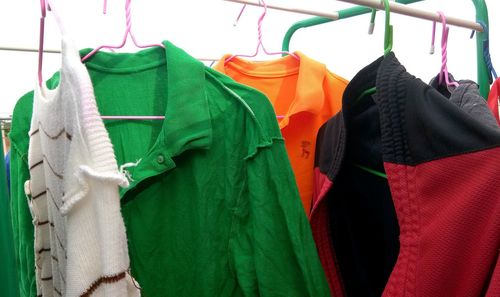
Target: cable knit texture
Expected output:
[80,240]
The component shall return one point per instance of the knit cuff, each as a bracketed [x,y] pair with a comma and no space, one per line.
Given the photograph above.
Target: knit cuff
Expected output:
[83,174]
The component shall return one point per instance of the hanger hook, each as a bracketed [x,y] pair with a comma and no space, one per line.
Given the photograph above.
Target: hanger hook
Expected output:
[259,25]
[486,50]
[443,74]
[239,15]
[388,29]
[372,21]
[43,7]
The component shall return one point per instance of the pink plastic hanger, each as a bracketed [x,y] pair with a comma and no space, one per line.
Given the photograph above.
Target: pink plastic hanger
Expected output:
[443,74]
[240,14]
[128,32]
[259,43]
[43,7]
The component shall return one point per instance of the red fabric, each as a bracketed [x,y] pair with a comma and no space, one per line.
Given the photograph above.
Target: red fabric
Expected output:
[494,99]
[321,187]
[494,287]
[449,216]
[321,233]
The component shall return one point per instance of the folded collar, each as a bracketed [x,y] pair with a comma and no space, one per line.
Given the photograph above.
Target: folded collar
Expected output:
[187,123]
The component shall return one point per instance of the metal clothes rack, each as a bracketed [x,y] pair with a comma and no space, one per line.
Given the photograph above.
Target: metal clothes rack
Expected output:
[483,74]
[399,7]
[318,20]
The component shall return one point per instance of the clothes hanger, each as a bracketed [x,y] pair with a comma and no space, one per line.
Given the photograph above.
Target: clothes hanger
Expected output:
[372,21]
[43,7]
[44,4]
[318,20]
[128,32]
[481,9]
[388,41]
[259,40]
[486,52]
[443,73]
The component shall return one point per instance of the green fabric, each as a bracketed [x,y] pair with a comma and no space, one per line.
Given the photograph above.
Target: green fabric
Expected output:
[8,271]
[212,208]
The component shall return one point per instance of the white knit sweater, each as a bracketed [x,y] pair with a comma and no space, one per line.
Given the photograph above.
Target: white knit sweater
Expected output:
[80,241]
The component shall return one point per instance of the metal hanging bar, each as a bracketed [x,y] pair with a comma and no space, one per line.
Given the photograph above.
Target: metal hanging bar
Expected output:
[330,15]
[481,15]
[54,51]
[418,13]
[395,8]
[483,74]
[27,49]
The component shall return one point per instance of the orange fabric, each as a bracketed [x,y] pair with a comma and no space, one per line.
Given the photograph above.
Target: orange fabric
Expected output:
[305,93]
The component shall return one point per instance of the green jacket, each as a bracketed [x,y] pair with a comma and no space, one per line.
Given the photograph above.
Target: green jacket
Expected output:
[212,208]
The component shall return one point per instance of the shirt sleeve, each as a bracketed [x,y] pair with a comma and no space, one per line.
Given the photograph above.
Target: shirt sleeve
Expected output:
[8,272]
[272,247]
[21,225]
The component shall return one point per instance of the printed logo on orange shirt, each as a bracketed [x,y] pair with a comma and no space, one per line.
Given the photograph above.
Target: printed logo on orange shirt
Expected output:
[306,149]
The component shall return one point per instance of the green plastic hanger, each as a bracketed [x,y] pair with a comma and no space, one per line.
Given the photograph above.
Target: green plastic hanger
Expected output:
[388,40]
[388,29]
[343,14]
[387,49]
[482,68]
[481,15]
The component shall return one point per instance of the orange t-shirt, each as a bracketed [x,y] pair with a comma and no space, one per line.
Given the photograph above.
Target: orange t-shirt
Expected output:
[304,93]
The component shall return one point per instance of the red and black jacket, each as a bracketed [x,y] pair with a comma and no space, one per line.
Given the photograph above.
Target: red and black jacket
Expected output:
[432,228]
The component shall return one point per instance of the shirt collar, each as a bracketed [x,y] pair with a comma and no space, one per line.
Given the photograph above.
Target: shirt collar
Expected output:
[187,123]
[309,96]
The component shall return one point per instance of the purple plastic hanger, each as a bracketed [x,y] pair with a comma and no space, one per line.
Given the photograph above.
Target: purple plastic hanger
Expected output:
[259,42]
[443,74]
[128,32]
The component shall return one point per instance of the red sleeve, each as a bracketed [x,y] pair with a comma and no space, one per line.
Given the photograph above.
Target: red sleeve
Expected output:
[494,100]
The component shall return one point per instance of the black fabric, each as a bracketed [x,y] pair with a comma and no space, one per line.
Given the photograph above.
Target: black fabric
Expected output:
[419,124]
[330,146]
[363,223]
[364,231]
[467,97]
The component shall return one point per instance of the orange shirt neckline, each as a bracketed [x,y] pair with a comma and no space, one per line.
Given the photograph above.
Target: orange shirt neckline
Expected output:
[309,92]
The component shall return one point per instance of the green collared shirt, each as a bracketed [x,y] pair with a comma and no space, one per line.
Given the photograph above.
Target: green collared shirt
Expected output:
[212,208]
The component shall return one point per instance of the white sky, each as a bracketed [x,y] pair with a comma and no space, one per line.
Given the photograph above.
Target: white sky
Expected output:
[204,29]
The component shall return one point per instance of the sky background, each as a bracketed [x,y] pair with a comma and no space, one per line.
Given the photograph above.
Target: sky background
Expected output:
[204,28]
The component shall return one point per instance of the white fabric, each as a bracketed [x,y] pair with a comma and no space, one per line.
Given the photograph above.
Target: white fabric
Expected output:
[80,240]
